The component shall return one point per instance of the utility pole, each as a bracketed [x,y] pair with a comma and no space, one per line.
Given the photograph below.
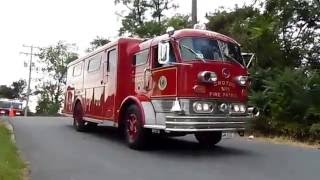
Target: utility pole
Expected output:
[31,54]
[194,12]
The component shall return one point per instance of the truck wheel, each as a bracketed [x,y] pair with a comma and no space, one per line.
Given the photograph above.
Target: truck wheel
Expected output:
[209,139]
[78,122]
[136,135]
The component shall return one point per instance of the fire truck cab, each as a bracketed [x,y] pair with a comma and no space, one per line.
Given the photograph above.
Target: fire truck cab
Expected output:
[185,81]
[7,105]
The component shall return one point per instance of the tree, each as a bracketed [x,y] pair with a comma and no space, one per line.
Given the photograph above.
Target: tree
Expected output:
[135,17]
[6,92]
[18,88]
[15,91]
[47,104]
[159,6]
[178,21]
[299,25]
[97,42]
[138,23]
[56,59]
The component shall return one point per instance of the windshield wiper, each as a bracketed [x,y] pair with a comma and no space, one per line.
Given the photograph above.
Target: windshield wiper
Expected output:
[195,53]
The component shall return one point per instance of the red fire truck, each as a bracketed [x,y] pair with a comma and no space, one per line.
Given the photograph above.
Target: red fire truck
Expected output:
[187,81]
[10,104]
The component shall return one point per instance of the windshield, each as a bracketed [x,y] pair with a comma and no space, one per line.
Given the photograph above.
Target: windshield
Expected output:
[17,105]
[5,104]
[209,50]
[8,104]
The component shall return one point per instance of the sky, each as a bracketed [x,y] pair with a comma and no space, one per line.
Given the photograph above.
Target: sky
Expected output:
[45,22]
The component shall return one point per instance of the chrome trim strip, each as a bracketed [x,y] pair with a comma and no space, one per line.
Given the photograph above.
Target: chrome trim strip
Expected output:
[209,117]
[191,130]
[202,123]
[202,130]
[154,126]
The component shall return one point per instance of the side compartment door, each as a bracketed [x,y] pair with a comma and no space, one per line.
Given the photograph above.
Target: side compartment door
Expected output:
[93,87]
[74,86]
[110,82]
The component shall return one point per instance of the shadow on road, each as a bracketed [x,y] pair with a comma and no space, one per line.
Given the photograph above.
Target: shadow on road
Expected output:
[170,146]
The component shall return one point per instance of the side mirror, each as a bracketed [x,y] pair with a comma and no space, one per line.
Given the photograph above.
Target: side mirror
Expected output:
[248,58]
[163,53]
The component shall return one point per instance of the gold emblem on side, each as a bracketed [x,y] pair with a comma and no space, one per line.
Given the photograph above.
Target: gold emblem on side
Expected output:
[162,83]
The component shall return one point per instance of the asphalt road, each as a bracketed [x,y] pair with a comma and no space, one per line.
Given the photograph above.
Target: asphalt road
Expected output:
[57,152]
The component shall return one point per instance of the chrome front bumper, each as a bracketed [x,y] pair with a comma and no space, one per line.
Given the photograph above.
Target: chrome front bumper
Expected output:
[206,123]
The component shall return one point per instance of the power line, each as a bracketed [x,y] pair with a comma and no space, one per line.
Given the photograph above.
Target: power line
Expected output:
[31,54]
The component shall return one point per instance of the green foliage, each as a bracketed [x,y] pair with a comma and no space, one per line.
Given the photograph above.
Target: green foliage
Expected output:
[298,28]
[289,101]
[145,18]
[178,21]
[6,92]
[15,91]
[11,166]
[18,88]
[315,131]
[97,42]
[47,104]
[56,59]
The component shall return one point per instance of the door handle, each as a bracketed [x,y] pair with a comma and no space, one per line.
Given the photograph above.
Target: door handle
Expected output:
[145,83]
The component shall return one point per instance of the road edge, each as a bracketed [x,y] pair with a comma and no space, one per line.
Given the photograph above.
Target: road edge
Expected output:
[27,170]
[9,126]
[281,140]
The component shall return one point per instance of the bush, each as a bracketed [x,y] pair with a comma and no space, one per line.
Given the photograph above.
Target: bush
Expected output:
[315,131]
[288,100]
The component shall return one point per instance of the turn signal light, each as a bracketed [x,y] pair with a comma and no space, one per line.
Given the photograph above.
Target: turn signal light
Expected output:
[242,80]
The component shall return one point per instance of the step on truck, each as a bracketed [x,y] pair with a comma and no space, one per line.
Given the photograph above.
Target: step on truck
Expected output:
[188,81]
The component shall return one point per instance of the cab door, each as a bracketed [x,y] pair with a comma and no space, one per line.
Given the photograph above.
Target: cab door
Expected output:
[142,72]
[110,65]
[164,77]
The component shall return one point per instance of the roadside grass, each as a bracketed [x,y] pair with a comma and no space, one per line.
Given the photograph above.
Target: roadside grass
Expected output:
[11,165]
[286,140]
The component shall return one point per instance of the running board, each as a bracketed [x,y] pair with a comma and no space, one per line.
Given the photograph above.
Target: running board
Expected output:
[101,122]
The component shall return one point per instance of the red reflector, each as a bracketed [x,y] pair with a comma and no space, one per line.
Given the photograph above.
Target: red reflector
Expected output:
[199,89]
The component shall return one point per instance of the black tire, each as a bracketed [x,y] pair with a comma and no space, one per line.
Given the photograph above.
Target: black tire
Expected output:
[209,139]
[136,135]
[78,123]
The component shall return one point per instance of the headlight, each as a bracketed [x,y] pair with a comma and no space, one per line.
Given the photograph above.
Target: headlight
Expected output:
[238,108]
[207,77]
[242,80]
[203,107]
[243,108]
